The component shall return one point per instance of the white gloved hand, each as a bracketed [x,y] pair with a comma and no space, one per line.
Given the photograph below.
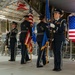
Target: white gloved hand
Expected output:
[7,32]
[52,25]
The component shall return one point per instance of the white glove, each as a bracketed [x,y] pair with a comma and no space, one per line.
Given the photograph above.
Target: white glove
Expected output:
[52,25]
[7,32]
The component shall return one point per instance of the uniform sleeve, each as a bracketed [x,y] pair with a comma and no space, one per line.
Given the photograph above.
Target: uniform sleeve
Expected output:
[62,26]
[47,30]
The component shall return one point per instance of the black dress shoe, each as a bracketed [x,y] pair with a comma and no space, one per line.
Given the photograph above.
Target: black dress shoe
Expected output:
[28,60]
[11,60]
[23,62]
[14,60]
[56,69]
[44,64]
[39,66]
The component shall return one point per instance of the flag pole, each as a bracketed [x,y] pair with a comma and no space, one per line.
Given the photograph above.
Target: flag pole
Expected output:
[32,48]
[31,56]
[71,49]
[70,41]
[47,49]
[67,36]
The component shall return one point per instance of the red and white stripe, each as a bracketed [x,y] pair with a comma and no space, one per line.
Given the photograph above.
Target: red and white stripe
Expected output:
[72,34]
[31,18]
[28,42]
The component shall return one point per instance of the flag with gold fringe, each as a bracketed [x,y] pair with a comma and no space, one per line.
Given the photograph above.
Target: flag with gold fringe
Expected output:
[44,41]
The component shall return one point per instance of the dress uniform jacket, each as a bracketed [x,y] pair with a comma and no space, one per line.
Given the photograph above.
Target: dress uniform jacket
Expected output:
[59,29]
[41,28]
[12,35]
[25,26]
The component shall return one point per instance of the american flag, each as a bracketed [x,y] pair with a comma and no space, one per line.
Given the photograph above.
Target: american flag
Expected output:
[72,28]
[28,42]
[30,16]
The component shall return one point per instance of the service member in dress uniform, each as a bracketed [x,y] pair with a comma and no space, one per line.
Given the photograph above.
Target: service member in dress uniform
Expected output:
[13,40]
[25,26]
[41,28]
[58,26]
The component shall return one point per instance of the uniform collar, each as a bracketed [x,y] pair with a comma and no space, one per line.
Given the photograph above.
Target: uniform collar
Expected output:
[60,19]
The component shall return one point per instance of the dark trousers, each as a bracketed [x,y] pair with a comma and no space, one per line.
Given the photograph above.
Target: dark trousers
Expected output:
[12,50]
[57,45]
[41,55]
[24,53]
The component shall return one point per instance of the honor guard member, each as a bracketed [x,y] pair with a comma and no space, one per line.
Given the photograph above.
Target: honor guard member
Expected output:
[25,26]
[41,28]
[58,37]
[13,41]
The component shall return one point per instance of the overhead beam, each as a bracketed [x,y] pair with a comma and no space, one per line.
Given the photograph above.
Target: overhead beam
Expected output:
[9,17]
[11,14]
[9,10]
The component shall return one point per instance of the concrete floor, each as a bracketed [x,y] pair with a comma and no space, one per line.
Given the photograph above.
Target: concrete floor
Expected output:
[15,68]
